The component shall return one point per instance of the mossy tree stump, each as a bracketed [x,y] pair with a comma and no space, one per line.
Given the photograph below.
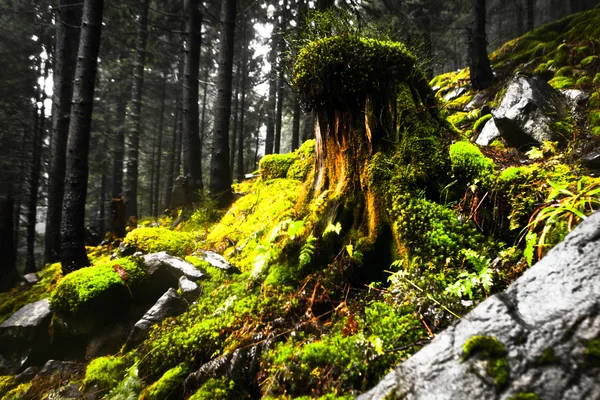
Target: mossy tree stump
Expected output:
[369,97]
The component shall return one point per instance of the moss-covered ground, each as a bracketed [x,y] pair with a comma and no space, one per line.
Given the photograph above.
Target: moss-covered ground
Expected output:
[323,309]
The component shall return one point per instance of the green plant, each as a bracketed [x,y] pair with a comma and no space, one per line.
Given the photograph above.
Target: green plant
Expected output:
[129,388]
[469,282]
[467,160]
[105,372]
[162,388]
[563,206]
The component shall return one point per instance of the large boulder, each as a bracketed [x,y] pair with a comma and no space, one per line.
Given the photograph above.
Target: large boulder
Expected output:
[217,261]
[541,336]
[174,265]
[24,337]
[529,109]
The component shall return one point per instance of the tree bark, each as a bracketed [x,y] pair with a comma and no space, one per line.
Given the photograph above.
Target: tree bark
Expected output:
[235,109]
[159,145]
[530,15]
[242,117]
[481,71]
[133,137]
[34,176]
[220,178]
[296,125]
[191,63]
[171,156]
[8,248]
[65,57]
[270,138]
[72,230]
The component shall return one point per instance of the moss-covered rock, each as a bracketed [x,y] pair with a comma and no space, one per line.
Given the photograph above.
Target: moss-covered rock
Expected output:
[153,240]
[494,352]
[467,159]
[167,384]
[105,372]
[84,285]
[274,166]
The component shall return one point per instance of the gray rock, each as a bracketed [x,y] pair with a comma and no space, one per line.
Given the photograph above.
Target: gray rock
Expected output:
[24,337]
[189,289]
[591,161]
[217,261]
[27,375]
[478,101]
[31,278]
[175,265]
[488,134]
[545,320]
[454,94]
[126,250]
[170,304]
[575,97]
[528,109]
[108,340]
[61,368]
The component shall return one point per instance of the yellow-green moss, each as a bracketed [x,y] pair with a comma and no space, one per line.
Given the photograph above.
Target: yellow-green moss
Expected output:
[13,300]
[561,82]
[467,159]
[7,383]
[18,392]
[586,62]
[596,80]
[218,388]
[82,286]
[274,166]
[339,70]
[152,240]
[305,157]
[480,123]
[161,389]
[547,357]
[105,372]
[494,352]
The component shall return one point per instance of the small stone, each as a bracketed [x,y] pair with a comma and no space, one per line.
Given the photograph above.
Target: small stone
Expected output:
[189,289]
[31,278]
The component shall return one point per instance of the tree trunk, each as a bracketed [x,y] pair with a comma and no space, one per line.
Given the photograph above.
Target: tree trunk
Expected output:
[34,177]
[258,125]
[324,4]
[308,129]
[530,15]
[72,230]
[65,57]
[191,63]
[203,118]
[296,125]
[519,13]
[270,138]
[235,118]
[103,184]
[242,118]
[133,136]
[280,79]
[8,248]
[481,71]
[220,177]
[159,146]
[171,156]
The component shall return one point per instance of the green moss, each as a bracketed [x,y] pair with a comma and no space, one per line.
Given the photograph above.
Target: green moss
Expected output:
[467,159]
[524,396]
[561,82]
[339,70]
[13,300]
[480,123]
[586,62]
[592,353]
[594,118]
[565,72]
[161,389]
[547,357]
[18,392]
[584,81]
[274,166]
[218,388]
[105,372]
[305,157]
[129,388]
[84,285]
[596,80]
[460,102]
[7,383]
[494,352]
[153,240]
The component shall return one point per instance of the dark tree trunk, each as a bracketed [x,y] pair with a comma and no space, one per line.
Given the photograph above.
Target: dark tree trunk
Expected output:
[519,13]
[235,119]
[72,249]
[242,122]
[34,177]
[258,125]
[296,125]
[203,118]
[191,63]
[103,184]
[8,248]
[220,177]
[308,130]
[159,145]
[171,156]
[324,4]
[481,72]
[65,57]
[530,14]
[280,79]
[133,137]
[270,138]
